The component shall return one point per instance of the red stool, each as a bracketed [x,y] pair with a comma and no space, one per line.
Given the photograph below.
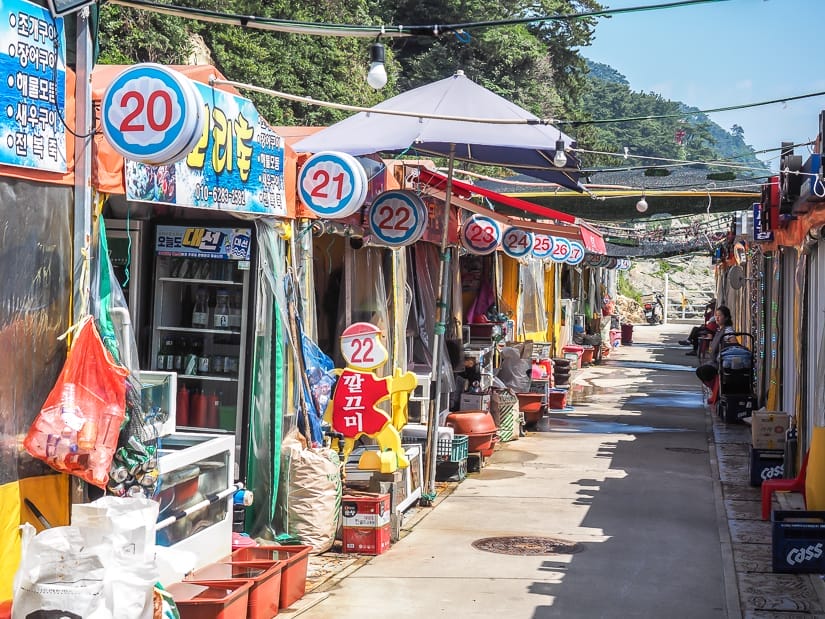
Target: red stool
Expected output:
[797,484]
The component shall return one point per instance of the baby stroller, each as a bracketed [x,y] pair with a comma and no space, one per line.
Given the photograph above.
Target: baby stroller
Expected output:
[735,363]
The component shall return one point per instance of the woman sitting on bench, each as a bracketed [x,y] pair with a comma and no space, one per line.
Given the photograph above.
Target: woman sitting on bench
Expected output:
[709,372]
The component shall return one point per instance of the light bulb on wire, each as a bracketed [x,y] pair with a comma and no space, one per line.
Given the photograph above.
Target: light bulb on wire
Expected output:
[641,205]
[377,74]
[559,159]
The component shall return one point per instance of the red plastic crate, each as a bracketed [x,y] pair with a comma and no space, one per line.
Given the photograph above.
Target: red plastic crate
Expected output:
[367,540]
[264,595]
[293,572]
[211,600]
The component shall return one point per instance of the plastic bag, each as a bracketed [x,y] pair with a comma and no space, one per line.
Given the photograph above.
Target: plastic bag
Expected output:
[77,429]
[60,574]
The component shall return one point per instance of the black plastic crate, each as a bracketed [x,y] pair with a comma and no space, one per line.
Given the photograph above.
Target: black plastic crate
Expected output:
[766,464]
[734,408]
[451,471]
[798,542]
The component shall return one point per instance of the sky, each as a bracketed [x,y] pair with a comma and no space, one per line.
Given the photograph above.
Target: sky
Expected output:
[725,53]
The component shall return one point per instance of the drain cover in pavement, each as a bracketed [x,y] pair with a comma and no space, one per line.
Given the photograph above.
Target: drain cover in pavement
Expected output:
[687,450]
[521,545]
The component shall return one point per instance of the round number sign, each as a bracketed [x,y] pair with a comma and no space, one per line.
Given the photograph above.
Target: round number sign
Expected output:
[576,254]
[398,218]
[624,264]
[480,235]
[561,249]
[542,246]
[332,184]
[517,243]
[152,114]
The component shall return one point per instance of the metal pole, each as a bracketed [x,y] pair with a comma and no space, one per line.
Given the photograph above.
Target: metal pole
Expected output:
[82,223]
[667,297]
[438,334]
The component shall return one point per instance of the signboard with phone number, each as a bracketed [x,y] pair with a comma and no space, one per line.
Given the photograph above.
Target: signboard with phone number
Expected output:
[236,163]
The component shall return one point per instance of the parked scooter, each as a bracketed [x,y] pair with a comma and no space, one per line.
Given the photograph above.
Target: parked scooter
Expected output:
[654,310]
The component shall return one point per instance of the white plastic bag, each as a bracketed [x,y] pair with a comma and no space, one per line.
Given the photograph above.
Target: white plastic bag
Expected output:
[61,574]
[128,523]
[125,527]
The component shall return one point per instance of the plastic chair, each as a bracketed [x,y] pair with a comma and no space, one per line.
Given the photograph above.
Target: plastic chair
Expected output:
[797,484]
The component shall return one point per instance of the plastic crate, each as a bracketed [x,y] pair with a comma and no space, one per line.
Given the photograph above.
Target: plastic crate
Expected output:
[451,471]
[798,542]
[447,450]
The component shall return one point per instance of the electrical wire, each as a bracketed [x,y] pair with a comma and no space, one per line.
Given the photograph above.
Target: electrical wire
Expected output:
[388,31]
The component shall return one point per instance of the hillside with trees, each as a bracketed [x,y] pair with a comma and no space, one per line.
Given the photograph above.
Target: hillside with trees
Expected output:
[539,66]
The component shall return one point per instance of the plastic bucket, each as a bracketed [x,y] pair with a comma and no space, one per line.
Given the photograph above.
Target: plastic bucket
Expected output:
[264,595]
[211,600]
[293,572]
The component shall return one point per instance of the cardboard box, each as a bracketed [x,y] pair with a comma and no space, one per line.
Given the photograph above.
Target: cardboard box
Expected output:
[768,429]
[475,401]
[365,511]
[367,541]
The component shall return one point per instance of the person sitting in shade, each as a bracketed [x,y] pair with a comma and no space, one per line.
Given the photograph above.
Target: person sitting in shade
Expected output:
[708,372]
[706,328]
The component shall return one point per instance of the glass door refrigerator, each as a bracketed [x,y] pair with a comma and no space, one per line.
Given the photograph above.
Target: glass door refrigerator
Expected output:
[199,323]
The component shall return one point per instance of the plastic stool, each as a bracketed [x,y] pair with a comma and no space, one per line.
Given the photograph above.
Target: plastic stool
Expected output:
[797,484]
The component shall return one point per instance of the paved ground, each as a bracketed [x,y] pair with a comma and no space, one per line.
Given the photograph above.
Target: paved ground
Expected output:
[650,488]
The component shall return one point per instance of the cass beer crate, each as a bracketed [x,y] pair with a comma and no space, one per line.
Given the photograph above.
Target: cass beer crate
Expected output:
[766,464]
[798,542]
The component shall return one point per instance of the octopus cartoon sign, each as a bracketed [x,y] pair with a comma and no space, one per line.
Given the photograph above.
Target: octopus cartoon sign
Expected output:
[353,408]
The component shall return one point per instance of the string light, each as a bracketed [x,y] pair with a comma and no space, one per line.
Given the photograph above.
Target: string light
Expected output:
[377,74]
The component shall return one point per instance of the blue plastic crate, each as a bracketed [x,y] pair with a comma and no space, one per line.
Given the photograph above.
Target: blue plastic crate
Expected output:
[798,542]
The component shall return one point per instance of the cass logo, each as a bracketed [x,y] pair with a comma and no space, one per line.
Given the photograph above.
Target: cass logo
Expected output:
[772,472]
[799,555]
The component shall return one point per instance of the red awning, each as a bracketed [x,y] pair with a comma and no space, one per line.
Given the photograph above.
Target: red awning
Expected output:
[435,179]
[589,237]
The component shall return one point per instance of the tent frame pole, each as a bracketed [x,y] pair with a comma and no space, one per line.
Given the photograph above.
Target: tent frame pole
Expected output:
[439,333]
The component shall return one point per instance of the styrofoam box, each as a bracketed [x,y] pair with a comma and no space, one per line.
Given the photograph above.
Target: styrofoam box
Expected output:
[417,431]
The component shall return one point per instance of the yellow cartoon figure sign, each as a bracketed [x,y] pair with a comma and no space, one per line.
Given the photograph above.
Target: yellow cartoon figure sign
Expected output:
[353,409]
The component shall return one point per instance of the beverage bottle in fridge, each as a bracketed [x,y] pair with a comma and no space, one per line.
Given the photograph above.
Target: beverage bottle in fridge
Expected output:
[160,363]
[200,313]
[171,346]
[220,319]
[235,311]
[212,405]
[182,410]
[197,412]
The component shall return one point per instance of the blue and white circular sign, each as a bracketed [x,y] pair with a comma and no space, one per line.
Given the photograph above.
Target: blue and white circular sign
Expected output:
[624,264]
[542,246]
[561,249]
[332,184]
[480,235]
[398,218]
[517,243]
[152,114]
[576,254]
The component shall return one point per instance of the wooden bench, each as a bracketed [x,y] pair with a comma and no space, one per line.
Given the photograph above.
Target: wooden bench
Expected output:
[790,501]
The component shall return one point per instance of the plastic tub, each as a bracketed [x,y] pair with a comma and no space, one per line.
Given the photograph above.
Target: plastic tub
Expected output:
[293,572]
[211,600]
[264,595]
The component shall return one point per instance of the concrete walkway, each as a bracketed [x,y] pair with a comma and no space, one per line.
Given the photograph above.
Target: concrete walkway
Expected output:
[645,493]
